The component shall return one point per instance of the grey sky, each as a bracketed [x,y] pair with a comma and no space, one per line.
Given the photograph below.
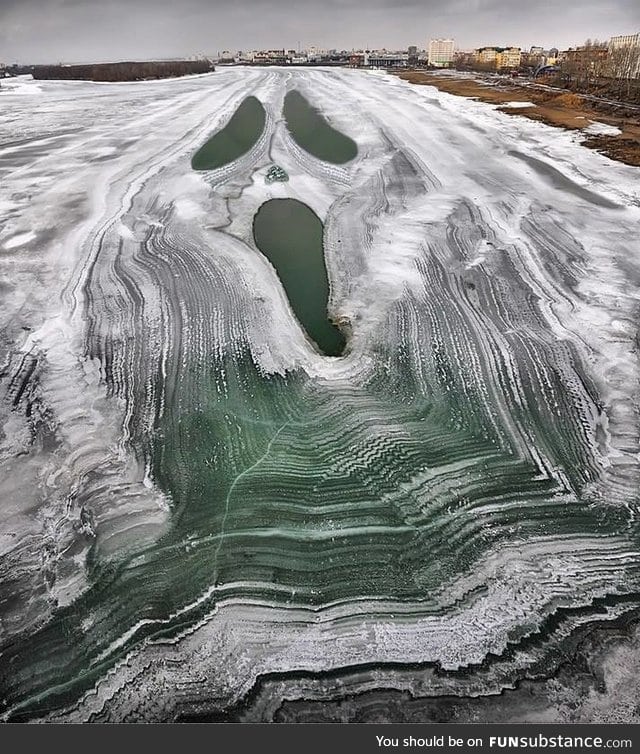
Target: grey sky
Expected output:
[85,30]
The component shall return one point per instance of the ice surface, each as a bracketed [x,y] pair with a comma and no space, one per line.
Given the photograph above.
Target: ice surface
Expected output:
[194,498]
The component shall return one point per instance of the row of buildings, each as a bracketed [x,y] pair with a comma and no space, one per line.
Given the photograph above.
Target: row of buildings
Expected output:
[438,53]
[619,57]
[442,53]
[281,56]
[314,56]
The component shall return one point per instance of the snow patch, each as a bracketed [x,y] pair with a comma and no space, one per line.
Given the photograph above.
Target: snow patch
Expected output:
[20,239]
[601,129]
[516,104]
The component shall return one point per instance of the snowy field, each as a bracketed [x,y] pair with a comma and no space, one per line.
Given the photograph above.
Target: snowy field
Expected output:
[194,499]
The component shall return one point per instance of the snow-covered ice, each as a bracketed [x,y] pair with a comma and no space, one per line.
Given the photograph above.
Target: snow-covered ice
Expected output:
[195,498]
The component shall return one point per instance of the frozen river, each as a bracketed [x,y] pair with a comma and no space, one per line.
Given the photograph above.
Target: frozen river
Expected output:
[201,514]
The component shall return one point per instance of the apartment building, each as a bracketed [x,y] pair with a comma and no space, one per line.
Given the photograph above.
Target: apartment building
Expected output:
[499,58]
[509,57]
[440,52]
[486,55]
[624,56]
[624,40]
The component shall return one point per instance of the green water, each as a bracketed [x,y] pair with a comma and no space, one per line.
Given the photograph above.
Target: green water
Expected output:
[289,234]
[286,514]
[312,132]
[235,139]
[301,490]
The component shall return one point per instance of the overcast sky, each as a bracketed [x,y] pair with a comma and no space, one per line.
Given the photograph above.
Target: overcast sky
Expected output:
[86,30]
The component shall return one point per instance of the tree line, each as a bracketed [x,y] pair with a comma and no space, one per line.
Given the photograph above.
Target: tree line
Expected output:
[596,64]
[130,71]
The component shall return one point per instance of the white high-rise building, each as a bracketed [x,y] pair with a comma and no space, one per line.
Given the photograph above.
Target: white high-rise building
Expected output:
[624,56]
[625,40]
[441,51]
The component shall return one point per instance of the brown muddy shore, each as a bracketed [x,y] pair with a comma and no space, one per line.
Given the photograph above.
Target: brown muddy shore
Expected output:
[553,107]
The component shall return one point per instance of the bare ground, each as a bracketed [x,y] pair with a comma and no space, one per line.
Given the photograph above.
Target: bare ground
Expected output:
[561,109]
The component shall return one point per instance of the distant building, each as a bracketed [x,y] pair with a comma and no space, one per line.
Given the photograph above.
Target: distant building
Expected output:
[499,58]
[441,52]
[508,58]
[485,56]
[586,55]
[624,56]
[625,40]
[551,57]
[534,58]
[464,59]
[270,57]
[388,60]
[315,54]
[586,62]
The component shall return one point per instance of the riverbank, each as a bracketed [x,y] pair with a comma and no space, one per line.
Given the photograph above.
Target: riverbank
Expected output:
[122,71]
[609,128]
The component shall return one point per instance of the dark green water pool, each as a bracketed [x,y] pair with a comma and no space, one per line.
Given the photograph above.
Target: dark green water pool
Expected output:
[289,234]
[236,138]
[312,132]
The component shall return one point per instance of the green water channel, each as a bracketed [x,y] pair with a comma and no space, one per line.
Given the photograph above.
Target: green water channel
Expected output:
[312,132]
[289,234]
[235,139]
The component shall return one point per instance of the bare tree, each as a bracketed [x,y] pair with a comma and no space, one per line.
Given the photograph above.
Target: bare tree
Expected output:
[586,65]
[624,67]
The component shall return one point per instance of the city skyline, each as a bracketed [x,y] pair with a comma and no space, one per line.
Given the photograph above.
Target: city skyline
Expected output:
[44,31]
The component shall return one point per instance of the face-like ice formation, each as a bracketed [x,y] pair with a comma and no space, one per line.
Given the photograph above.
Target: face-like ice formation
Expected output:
[202,513]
